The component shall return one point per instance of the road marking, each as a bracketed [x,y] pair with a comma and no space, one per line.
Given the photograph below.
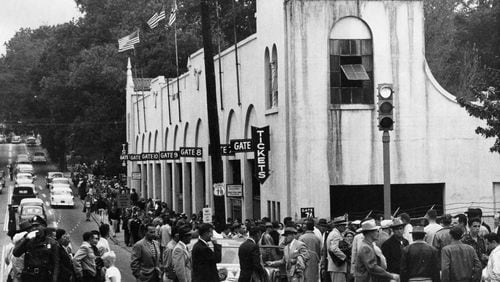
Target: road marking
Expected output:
[47,204]
[51,212]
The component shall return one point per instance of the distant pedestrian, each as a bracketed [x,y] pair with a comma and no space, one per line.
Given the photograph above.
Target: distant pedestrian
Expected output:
[146,257]
[442,237]
[407,226]
[103,244]
[419,261]
[337,260]
[459,262]
[134,198]
[112,272]
[393,246]
[249,256]
[84,259]
[473,239]
[204,258]
[432,227]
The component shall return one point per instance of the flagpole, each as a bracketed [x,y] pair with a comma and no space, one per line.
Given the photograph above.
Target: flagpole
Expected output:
[134,68]
[177,62]
[236,55]
[168,95]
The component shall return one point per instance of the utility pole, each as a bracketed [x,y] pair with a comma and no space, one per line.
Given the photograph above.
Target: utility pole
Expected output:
[387,174]
[213,116]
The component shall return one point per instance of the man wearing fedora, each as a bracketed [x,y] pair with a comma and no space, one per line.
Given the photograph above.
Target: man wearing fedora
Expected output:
[295,256]
[367,267]
[419,260]
[385,232]
[313,244]
[337,266]
[394,245]
[181,257]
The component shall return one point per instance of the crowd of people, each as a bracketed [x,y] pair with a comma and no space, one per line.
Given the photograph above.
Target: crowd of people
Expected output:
[170,246]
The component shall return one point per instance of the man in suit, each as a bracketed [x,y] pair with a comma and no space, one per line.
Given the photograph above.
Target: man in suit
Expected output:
[295,256]
[249,255]
[393,246]
[204,259]
[146,257]
[181,258]
[419,260]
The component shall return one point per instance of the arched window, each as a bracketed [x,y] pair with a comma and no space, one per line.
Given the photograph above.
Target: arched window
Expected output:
[274,78]
[351,63]
[267,78]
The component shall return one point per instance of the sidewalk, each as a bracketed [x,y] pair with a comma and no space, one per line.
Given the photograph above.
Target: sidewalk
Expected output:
[119,240]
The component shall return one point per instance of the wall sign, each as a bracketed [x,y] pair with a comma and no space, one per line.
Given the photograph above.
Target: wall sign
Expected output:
[150,156]
[234,190]
[207,215]
[169,155]
[225,150]
[134,157]
[136,175]
[260,139]
[192,152]
[219,189]
[306,212]
[241,145]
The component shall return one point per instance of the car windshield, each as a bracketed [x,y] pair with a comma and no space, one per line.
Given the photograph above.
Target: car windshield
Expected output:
[60,181]
[54,175]
[39,154]
[24,176]
[23,190]
[32,210]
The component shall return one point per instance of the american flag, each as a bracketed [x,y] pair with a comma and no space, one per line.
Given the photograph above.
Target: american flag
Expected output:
[156,18]
[127,42]
[172,18]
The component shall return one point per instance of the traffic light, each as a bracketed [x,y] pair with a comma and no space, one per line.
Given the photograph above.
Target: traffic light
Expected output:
[385,107]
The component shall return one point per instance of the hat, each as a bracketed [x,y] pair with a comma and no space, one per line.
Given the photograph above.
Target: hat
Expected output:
[269,224]
[386,223]
[418,229]
[25,225]
[38,221]
[356,222]
[339,219]
[369,225]
[473,212]
[397,222]
[289,230]
[184,230]
[322,222]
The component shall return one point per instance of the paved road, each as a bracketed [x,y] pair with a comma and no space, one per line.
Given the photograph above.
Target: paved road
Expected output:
[72,220]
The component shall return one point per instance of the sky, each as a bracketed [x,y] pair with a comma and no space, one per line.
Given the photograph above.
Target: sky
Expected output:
[15,14]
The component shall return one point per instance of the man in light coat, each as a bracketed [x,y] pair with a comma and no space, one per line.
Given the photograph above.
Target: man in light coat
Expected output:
[181,258]
[313,244]
[337,272]
[295,256]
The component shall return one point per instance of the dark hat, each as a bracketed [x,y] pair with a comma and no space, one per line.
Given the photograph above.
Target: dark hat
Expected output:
[37,220]
[289,230]
[397,222]
[322,222]
[25,225]
[418,229]
[185,231]
[472,212]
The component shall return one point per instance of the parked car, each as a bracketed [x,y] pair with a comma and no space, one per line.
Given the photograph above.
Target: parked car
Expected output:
[51,175]
[22,192]
[229,267]
[24,168]
[39,157]
[61,196]
[28,212]
[24,178]
[60,181]
[31,202]
[3,139]
[30,141]
[16,139]
[23,159]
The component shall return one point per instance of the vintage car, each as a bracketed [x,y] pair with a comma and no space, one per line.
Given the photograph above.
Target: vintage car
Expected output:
[24,178]
[60,181]
[39,157]
[51,175]
[61,196]
[22,192]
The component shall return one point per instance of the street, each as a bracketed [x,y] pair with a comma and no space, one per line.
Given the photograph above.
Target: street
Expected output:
[70,219]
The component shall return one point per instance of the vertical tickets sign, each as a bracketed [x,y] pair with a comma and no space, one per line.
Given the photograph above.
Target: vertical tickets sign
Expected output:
[260,140]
